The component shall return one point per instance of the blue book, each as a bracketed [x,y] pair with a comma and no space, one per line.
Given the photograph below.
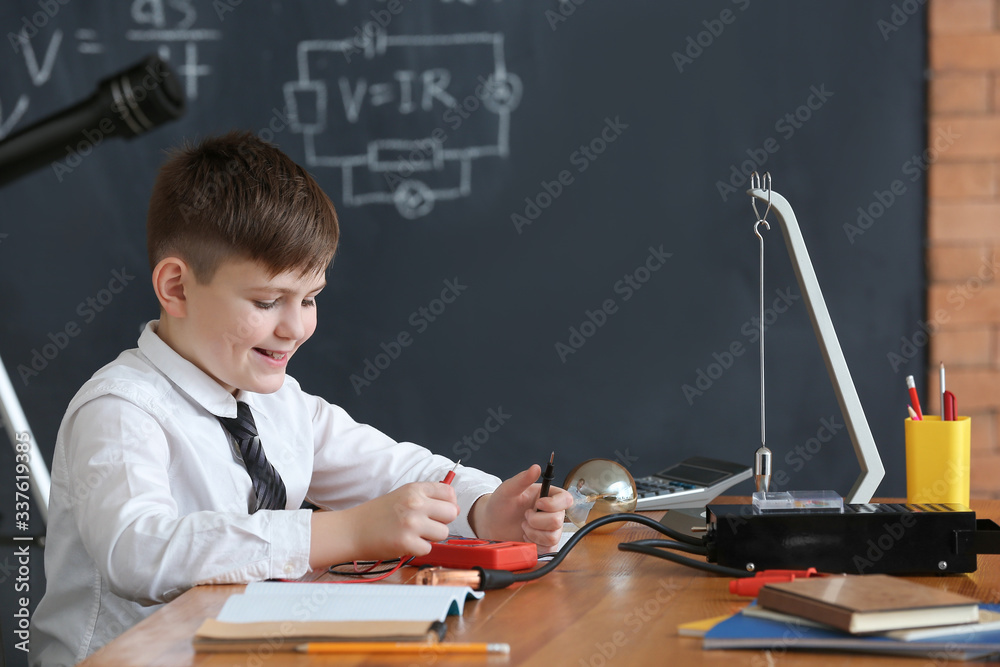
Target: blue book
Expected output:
[742,631]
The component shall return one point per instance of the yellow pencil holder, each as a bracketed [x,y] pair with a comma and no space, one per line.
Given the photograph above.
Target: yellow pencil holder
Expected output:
[937,460]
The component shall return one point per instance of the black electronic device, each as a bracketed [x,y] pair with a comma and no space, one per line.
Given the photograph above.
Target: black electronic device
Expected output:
[691,483]
[869,538]
[689,521]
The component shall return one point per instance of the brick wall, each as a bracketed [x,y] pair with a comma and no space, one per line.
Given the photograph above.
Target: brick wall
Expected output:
[963,225]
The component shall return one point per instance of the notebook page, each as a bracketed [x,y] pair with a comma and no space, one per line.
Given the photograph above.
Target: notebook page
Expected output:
[284,601]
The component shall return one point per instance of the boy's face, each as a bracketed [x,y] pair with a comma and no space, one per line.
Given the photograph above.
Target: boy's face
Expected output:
[244,326]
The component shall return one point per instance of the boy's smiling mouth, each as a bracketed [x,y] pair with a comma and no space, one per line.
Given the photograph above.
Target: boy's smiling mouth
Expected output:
[278,356]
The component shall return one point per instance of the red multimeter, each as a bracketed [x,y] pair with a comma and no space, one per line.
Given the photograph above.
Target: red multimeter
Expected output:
[467,552]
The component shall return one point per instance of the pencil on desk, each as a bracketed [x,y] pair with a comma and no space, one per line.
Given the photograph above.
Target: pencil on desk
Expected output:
[400,647]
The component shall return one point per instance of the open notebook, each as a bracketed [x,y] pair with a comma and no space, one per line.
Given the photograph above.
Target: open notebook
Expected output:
[284,615]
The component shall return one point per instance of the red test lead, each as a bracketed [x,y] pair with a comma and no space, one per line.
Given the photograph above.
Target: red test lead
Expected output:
[451,474]
[404,559]
[914,399]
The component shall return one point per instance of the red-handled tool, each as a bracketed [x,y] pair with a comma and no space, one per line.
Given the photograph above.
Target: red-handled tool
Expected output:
[750,586]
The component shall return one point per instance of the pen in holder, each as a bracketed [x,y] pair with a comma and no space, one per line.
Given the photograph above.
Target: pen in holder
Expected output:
[937,460]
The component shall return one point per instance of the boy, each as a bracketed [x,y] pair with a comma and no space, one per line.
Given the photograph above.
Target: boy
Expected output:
[185,461]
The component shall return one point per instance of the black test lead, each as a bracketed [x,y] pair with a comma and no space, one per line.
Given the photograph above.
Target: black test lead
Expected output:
[547,477]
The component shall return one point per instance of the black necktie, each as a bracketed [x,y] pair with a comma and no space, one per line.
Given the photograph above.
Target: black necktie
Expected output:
[267,484]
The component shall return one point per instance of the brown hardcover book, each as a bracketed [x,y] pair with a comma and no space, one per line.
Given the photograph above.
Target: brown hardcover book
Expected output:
[868,603]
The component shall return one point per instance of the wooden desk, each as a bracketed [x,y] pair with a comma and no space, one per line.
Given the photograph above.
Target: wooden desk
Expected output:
[601,607]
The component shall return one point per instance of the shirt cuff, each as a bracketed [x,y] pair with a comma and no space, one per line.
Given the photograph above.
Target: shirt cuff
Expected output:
[466,499]
[290,536]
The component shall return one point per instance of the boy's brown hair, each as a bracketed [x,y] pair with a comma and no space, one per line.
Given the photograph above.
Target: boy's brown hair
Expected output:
[235,196]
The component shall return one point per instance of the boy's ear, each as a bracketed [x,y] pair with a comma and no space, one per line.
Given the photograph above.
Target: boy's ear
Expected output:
[171,276]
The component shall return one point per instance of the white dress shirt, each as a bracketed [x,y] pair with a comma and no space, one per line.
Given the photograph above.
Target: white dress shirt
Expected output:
[150,496]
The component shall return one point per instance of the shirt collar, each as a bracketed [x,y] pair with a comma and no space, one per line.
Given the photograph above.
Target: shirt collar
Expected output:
[190,379]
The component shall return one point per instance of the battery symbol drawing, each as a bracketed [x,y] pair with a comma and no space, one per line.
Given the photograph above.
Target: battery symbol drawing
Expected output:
[404,117]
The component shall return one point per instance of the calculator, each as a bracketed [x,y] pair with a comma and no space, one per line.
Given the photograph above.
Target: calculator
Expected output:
[691,483]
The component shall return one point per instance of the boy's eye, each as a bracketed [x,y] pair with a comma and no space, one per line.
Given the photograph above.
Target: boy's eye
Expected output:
[267,305]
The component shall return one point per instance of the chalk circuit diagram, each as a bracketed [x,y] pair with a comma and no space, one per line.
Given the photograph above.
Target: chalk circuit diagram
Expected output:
[403,117]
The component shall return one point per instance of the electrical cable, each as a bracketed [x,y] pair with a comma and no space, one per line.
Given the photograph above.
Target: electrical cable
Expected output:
[495,579]
[667,544]
[367,569]
[369,573]
[381,575]
[488,579]
[648,550]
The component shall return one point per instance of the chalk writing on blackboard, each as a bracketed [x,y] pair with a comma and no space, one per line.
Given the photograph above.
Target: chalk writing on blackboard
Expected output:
[403,122]
[168,26]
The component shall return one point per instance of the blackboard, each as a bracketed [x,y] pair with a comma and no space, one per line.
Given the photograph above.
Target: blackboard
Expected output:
[545,200]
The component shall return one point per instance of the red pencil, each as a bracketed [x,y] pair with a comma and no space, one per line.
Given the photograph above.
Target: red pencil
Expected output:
[914,399]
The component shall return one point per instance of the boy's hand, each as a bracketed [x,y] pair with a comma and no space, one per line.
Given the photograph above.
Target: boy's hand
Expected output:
[509,513]
[401,523]
[407,520]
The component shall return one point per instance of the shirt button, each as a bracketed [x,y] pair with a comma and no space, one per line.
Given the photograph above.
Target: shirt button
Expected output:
[288,568]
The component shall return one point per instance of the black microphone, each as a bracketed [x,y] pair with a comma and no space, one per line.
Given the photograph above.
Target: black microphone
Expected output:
[125,105]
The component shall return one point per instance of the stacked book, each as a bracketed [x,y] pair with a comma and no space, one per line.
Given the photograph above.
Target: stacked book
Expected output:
[869,613]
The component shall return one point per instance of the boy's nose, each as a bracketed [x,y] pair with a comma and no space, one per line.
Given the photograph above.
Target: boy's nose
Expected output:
[292,325]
